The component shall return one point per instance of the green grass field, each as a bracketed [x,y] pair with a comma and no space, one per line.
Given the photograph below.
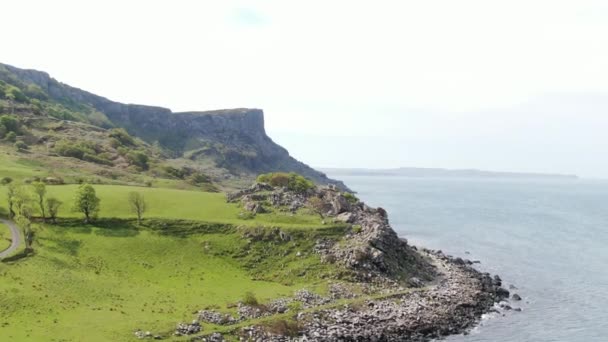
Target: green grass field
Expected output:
[99,284]
[5,237]
[172,204]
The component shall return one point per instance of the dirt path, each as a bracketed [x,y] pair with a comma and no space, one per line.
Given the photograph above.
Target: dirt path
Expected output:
[16,237]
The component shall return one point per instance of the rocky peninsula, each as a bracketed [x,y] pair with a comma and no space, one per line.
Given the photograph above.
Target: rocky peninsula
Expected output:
[392,292]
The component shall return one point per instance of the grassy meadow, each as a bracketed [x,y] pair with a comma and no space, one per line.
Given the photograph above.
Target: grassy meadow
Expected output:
[5,237]
[90,283]
[173,204]
[102,281]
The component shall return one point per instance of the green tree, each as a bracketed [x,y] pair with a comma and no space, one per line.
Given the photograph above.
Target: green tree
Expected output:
[86,202]
[138,205]
[21,146]
[40,191]
[10,123]
[52,208]
[318,206]
[138,159]
[11,193]
[22,201]
[11,137]
[28,232]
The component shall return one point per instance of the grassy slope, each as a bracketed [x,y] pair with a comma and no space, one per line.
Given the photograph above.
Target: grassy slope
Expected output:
[173,204]
[144,280]
[5,237]
[101,282]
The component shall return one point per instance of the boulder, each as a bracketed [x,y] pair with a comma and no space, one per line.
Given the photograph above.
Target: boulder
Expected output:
[346,217]
[502,293]
[516,297]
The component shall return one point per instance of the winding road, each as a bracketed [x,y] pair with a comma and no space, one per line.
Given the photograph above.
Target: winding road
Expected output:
[16,237]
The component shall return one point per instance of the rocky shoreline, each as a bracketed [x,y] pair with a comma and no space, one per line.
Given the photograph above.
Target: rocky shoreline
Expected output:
[405,293]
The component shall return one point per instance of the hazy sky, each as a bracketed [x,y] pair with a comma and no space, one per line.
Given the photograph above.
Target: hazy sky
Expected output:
[498,85]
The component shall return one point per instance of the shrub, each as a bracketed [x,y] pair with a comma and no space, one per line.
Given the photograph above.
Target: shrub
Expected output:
[138,159]
[10,137]
[35,92]
[10,123]
[21,146]
[291,181]
[250,299]
[73,149]
[122,136]
[350,198]
[14,93]
[6,180]
[198,178]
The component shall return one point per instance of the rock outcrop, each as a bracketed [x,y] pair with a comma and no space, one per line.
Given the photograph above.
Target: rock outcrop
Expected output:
[446,295]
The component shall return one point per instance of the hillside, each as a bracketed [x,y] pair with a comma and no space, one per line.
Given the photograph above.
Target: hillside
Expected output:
[205,253]
[230,145]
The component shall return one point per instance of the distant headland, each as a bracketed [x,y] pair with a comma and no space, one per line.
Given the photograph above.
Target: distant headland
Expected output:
[443,173]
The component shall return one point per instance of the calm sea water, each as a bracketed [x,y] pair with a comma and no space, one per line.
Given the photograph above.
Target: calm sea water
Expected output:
[548,238]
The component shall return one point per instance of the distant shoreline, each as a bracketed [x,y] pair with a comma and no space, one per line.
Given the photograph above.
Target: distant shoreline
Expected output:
[444,173]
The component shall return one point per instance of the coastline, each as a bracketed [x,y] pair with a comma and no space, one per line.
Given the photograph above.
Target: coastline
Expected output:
[441,295]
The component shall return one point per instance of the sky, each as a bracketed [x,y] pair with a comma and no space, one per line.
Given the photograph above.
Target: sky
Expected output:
[495,85]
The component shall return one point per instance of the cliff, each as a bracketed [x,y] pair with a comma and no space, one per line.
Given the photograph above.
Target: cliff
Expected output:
[233,139]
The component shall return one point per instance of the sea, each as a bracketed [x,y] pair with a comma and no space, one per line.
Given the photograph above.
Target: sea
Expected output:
[547,237]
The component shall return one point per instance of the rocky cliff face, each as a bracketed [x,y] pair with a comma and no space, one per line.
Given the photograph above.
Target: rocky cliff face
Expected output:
[235,139]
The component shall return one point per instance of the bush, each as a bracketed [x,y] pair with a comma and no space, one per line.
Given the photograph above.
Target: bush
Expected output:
[6,180]
[350,198]
[291,181]
[73,149]
[10,123]
[138,159]
[250,299]
[11,137]
[121,136]
[198,178]
[21,146]
[14,93]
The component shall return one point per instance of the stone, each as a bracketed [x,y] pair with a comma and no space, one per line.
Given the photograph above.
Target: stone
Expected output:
[502,293]
[515,296]
[345,217]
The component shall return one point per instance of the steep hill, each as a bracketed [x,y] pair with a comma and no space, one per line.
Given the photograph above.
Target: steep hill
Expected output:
[233,141]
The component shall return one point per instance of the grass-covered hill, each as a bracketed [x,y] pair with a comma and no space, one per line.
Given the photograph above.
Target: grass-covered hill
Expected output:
[193,250]
[229,146]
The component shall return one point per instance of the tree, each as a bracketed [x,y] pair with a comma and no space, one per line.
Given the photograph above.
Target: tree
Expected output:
[138,205]
[21,146]
[86,202]
[52,208]
[28,233]
[318,206]
[22,201]
[11,137]
[40,191]
[138,159]
[10,194]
